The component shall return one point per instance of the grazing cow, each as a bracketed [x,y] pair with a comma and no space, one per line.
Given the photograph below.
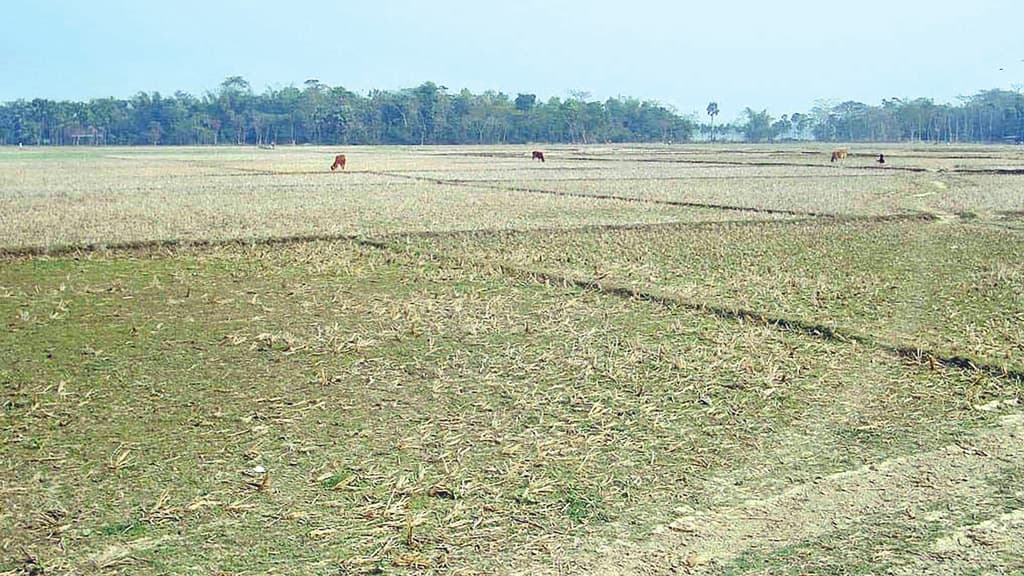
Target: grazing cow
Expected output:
[881,159]
[339,162]
[538,155]
[839,154]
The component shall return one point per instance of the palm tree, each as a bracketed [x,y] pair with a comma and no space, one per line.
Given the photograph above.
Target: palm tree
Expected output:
[713,111]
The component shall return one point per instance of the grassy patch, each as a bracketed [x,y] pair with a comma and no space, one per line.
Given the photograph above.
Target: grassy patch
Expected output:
[581,508]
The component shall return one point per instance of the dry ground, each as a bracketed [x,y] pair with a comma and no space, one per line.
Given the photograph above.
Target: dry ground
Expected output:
[453,360]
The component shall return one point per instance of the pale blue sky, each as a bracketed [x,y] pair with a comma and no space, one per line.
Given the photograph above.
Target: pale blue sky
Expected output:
[780,55]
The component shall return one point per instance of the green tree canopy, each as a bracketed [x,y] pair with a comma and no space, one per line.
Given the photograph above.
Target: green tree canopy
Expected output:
[429,114]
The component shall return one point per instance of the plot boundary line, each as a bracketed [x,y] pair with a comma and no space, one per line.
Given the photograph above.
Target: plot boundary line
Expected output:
[15,252]
[908,354]
[676,203]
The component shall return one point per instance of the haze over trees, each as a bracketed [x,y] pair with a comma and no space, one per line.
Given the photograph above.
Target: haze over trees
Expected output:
[431,114]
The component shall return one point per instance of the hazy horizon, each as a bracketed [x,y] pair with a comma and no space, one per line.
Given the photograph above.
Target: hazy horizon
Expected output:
[782,57]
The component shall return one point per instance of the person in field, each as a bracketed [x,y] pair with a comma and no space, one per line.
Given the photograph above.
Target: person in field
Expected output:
[339,162]
[881,159]
[538,155]
[839,154]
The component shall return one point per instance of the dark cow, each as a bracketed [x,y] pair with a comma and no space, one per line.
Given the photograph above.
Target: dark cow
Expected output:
[839,154]
[339,162]
[538,155]
[881,159]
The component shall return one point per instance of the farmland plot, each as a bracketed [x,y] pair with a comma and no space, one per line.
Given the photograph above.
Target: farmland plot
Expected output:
[138,198]
[953,290]
[503,420]
[442,363]
[954,181]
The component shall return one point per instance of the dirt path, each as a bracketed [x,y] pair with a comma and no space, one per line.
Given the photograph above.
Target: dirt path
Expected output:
[938,512]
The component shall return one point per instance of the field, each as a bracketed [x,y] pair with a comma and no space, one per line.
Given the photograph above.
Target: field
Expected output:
[721,360]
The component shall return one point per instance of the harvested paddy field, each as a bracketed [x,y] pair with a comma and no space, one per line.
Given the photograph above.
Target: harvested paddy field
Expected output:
[454,360]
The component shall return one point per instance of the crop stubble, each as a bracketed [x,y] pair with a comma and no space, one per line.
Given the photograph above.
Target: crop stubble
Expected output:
[444,402]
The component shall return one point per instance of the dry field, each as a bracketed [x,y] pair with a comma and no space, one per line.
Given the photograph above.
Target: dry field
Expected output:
[456,360]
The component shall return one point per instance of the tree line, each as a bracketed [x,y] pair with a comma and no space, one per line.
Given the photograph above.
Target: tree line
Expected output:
[430,114]
[990,116]
[321,114]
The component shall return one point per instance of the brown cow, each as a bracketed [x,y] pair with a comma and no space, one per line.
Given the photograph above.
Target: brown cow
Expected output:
[839,154]
[538,155]
[339,162]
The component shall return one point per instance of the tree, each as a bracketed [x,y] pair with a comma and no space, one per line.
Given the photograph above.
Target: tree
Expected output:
[235,101]
[799,123]
[712,112]
[824,121]
[758,126]
[851,121]
[781,126]
[526,102]
[430,109]
[311,110]
[576,109]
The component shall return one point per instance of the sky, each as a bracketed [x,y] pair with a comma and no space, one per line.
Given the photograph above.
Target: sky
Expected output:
[782,55]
